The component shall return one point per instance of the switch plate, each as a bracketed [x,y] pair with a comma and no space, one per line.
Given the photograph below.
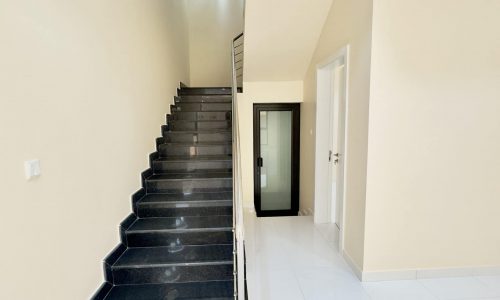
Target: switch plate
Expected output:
[32,168]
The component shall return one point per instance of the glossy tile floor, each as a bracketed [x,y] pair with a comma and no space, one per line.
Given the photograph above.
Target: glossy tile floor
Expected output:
[291,258]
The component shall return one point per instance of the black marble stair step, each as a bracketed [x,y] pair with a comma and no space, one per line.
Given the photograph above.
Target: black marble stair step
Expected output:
[167,265]
[201,116]
[183,125]
[199,107]
[188,182]
[185,208]
[165,198]
[204,98]
[194,204]
[219,135]
[193,149]
[205,91]
[181,164]
[180,231]
[208,290]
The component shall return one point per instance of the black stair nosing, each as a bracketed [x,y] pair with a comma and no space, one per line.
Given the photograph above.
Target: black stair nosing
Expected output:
[128,259]
[208,290]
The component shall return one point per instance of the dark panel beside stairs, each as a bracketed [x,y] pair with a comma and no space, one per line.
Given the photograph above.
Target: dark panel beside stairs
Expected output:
[178,243]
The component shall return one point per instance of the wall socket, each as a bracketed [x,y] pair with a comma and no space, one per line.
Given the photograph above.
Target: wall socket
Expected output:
[32,168]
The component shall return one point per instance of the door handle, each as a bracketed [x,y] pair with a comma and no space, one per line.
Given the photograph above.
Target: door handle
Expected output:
[260,162]
[329,155]
[336,161]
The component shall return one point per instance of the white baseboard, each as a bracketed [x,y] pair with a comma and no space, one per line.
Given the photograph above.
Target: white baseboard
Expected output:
[410,274]
[354,267]
[306,212]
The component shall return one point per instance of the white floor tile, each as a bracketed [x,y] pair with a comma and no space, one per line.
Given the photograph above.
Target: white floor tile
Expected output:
[398,290]
[318,283]
[458,288]
[276,284]
[290,258]
[492,282]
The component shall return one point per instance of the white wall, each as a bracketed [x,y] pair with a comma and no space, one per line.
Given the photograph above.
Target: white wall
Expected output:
[84,87]
[433,192]
[212,26]
[348,23]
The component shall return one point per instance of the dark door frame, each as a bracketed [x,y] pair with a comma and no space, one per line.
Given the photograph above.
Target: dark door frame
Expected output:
[295,109]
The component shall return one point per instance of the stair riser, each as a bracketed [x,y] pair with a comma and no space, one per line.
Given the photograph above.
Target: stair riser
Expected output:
[215,290]
[159,210]
[202,116]
[203,107]
[197,137]
[204,99]
[154,239]
[205,91]
[175,167]
[187,186]
[172,274]
[170,149]
[199,125]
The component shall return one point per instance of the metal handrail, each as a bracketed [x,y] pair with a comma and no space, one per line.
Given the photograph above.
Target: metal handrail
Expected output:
[238,233]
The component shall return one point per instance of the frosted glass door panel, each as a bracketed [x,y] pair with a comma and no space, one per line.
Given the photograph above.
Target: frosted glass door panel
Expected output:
[276,153]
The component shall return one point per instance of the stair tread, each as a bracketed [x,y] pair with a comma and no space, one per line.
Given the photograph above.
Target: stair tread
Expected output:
[177,158]
[182,223]
[214,290]
[158,198]
[199,143]
[206,91]
[188,255]
[188,176]
[217,130]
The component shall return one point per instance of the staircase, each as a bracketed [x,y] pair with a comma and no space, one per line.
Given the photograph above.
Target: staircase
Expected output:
[178,243]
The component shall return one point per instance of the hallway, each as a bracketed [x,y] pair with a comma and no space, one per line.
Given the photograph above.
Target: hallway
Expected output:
[291,258]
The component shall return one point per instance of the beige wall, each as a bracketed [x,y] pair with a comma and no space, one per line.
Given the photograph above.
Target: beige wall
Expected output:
[280,37]
[212,26]
[259,92]
[85,85]
[348,23]
[433,192]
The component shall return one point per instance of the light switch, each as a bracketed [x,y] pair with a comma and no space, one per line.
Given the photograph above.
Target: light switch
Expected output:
[32,168]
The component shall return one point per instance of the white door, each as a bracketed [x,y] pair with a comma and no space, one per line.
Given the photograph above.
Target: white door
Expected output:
[331,136]
[337,141]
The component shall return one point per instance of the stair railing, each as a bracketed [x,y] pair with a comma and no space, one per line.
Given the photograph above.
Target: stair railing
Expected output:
[238,233]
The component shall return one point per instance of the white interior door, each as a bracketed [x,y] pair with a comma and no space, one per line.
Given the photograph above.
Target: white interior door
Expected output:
[331,135]
[337,141]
